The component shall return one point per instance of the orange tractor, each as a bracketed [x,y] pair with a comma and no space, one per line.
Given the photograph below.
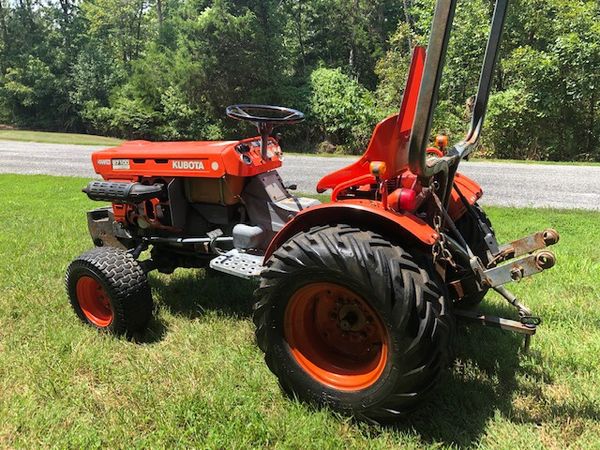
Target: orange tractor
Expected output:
[358,297]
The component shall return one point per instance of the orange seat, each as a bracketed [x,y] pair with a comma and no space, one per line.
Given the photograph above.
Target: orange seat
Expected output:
[389,142]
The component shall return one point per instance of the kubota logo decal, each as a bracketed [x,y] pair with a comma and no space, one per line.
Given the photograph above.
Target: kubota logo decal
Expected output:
[188,165]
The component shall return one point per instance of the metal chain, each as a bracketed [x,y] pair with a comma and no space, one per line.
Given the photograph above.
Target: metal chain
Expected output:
[439,250]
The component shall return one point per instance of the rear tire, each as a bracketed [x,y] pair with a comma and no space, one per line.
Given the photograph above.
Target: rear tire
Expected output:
[378,373]
[474,237]
[108,290]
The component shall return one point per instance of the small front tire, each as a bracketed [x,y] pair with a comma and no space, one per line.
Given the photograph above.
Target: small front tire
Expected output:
[109,290]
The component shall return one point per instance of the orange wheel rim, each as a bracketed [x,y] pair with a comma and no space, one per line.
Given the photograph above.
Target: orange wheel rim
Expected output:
[336,336]
[94,301]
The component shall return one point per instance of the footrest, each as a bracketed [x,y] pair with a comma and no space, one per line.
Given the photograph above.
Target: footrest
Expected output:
[239,264]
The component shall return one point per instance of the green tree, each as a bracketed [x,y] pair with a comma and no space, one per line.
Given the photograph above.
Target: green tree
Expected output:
[166,69]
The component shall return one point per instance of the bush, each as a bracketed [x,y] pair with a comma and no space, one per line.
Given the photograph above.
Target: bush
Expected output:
[179,120]
[126,118]
[29,92]
[343,109]
[507,131]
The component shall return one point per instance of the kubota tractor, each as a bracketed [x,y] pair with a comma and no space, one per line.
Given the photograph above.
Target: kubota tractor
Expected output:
[358,297]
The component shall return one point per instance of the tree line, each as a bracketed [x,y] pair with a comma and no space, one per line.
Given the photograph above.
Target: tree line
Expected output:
[166,69]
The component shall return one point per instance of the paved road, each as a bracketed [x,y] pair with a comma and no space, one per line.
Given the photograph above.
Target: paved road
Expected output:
[559,186]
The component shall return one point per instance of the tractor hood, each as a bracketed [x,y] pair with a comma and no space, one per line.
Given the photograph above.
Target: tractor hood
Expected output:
[208,159]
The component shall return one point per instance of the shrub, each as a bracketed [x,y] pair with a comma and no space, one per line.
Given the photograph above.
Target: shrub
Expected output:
[506,131]
[343,109]
[179,120]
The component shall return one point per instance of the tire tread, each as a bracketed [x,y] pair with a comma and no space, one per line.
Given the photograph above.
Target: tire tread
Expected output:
[409,295]
[125,281]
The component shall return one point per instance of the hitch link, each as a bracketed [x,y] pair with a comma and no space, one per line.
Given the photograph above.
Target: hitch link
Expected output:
[526,245]
[518,269]
[526,325]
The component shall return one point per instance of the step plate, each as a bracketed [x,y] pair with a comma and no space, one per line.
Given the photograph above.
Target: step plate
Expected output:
[234,262]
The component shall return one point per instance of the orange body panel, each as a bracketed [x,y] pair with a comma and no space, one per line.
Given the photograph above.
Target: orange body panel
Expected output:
[470,189]
[137,159]
[372,214]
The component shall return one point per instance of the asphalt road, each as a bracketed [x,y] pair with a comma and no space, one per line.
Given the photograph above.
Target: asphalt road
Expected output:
[508,184]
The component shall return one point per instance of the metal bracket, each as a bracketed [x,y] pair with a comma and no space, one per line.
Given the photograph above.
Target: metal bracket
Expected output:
[519,269]
[528,244]
[527,324]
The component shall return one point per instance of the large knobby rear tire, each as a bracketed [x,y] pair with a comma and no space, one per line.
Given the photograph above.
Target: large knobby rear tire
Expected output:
[109,290]
[475,238]
[350,321]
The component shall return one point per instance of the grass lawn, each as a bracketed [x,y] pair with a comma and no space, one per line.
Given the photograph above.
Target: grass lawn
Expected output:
[57,138]
[198,380]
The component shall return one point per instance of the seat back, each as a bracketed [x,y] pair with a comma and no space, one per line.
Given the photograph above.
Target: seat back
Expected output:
[389,142]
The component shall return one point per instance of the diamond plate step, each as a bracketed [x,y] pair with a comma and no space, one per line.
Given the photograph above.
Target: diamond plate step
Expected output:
[234,262]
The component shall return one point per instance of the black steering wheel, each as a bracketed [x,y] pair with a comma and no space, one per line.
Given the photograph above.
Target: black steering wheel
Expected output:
[277,115]
[266,118]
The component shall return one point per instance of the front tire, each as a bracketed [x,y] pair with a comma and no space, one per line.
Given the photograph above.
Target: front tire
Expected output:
[348,320]
[108,290]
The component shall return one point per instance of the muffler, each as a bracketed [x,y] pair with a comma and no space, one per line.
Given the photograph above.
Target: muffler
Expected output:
[120,192]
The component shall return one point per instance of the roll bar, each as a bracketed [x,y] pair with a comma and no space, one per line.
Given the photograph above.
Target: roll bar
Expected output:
[441,27]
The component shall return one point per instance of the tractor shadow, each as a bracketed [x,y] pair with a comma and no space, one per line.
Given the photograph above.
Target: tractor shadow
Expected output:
[482,383]
[193,294]
[489,373]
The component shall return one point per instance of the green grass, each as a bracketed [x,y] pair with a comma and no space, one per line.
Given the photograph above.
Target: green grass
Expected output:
[57,138]
[198,380]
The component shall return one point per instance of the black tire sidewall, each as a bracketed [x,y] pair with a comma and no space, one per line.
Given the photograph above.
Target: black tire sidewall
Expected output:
[306,385]
[124,282]
[473,235]
[80,269]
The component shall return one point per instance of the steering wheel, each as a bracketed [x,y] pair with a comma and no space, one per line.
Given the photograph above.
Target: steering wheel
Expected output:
[266,118]
[277,115]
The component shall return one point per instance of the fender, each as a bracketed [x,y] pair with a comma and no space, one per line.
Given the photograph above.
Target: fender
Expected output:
[359,213]
[470,189]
